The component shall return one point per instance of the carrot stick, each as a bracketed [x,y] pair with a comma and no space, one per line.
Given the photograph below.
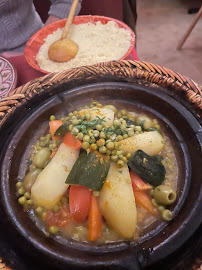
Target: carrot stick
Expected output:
[79,202]
[138,183]
[143,199]
[54,125]
[94,220]
[72,141]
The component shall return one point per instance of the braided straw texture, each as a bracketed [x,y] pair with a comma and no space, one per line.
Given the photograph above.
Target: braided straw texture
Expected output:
[149,74]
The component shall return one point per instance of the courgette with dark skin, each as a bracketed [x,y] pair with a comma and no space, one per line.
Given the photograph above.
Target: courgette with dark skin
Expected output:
[90,170]
[150,169]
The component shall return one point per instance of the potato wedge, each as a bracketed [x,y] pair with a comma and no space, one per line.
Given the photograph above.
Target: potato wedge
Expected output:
[150,142]
[107,113]
[50,184]
[117,202]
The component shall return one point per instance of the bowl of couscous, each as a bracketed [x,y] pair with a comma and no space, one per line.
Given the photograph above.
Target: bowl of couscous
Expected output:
[100,39]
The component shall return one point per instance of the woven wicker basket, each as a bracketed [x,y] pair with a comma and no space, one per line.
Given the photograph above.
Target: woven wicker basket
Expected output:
[142,73]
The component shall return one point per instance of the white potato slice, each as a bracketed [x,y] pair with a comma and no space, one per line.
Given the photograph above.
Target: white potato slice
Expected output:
[107,113]
[117,202]
[150,142]
[50,184]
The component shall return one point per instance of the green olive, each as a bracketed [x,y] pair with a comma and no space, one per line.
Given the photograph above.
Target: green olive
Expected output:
[103,149]
[21,191]
[19,184]
[144,121]
[41,157]
[27,195]
[167,215]
[120,163]
[164,195]
[112,107]
[52,117]
[114,158]
[30,178]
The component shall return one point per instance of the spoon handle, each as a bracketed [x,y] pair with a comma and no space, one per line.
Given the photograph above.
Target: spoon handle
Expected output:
[69,19]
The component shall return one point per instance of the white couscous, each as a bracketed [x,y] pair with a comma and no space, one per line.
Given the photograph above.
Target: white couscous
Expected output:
[97,42]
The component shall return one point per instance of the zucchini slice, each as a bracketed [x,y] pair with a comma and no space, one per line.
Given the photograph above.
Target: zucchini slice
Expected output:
[150,169]
[90,170]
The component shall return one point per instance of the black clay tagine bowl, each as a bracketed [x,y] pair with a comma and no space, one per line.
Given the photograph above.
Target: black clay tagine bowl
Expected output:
[20,127]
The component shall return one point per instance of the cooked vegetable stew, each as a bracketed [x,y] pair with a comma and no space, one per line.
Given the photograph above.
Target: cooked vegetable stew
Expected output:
[100,174]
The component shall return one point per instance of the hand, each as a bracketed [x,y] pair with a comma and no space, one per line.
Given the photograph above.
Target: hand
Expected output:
[51,19]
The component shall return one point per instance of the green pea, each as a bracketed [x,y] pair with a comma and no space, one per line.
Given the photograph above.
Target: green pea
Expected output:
[71,127]
[22,200]
[96,193]
[108,152]
[27,195]
[131,133]
[128,155]
[144,121]
[103,149]
[125,136]
[56,208]
[41,157]
[120,156]
[86,138]
[114,158]
[75,112]
[85,145]
[30,178]
[80,136]
[167,215]
[164,195]
[99,127]
[29,202]
[70,114]
[93,146]
[101,142]
[90,132]
[21,191]
[96,133]
[52,117]
[39,210]
[119,138]
[154,202]
[88,116]
[123,126]
[124,159]
[102,135]
[75,122]
[92,140]
[123,112]
[75,131]
[53,230]
[116,122]
[110,145]
[119,152]
[112,107]
[161,208]
[120,163]
[19,184]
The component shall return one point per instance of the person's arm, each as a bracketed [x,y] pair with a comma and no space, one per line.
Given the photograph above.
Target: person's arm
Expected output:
[60,9]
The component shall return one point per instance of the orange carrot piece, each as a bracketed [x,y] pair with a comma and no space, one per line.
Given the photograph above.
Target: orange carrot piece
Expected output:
[94,220]
[54,152]
[143,199]
[54,125]
[79,202]
[72,141]
[137,183]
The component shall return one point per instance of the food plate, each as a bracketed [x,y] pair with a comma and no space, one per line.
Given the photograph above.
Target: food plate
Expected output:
[106,82]
[8,77]
[37,40]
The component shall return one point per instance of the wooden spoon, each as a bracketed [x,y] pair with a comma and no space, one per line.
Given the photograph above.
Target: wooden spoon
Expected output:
[64,49]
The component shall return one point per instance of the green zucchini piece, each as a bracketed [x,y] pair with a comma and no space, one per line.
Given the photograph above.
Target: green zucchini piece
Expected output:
[90,170]
[150,169]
